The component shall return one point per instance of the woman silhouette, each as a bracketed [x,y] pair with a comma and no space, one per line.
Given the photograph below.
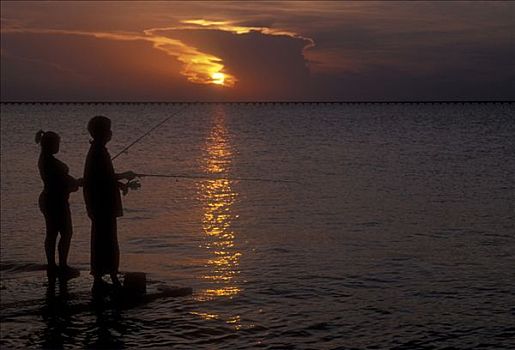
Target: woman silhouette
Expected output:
[54,205]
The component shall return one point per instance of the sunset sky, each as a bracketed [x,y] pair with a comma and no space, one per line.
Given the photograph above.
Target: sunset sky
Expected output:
[233,51]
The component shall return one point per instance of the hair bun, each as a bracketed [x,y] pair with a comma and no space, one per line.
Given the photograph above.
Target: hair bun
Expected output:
[39,136]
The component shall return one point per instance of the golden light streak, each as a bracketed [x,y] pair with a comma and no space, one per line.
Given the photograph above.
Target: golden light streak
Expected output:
[199,67]
[205,315]
[217,197]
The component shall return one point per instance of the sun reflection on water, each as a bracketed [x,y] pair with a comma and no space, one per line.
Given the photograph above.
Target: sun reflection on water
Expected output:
[217,198]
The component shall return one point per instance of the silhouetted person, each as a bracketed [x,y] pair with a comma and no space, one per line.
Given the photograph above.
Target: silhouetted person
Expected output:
[103,202]
[54,205]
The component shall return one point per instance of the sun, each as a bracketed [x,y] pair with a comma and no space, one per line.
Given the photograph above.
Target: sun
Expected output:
[218,78]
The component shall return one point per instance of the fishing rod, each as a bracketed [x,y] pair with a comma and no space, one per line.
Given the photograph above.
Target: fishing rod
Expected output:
[135,184]
[213,178]
[148,132]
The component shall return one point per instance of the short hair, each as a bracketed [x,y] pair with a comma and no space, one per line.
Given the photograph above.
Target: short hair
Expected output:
[99,125]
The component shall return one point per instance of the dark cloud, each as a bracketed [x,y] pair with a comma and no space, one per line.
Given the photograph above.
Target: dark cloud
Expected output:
[270,67]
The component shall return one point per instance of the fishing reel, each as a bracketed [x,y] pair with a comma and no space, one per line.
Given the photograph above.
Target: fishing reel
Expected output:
[132,185]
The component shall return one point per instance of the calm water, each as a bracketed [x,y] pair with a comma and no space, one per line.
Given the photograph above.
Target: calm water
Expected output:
[399,234]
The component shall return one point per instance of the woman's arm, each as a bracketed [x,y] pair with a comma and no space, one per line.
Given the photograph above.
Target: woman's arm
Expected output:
[73,183]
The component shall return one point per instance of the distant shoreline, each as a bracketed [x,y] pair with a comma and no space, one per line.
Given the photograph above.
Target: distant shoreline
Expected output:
[252,102]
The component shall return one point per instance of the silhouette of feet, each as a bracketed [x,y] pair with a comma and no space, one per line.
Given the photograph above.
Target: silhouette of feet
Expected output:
[116,282]
[67,272]
[100,287]
[51,273]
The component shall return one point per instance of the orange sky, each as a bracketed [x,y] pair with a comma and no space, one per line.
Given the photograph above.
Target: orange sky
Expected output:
[176,51]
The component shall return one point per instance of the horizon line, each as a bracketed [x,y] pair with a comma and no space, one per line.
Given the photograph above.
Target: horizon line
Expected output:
[502,101]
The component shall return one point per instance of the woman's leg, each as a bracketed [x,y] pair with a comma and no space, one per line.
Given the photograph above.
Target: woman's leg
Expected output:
[50,239]
[66,237]
[51,231]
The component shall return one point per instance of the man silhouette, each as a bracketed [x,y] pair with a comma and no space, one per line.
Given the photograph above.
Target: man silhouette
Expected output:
[103,202]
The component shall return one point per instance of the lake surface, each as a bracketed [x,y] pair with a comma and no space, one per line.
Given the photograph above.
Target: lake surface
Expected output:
[398,232]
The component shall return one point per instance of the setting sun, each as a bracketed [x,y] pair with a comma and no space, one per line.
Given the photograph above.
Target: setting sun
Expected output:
[218,78]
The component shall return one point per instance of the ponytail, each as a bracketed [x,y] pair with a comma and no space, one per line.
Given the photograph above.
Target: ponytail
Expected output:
[39,136]
[47,140]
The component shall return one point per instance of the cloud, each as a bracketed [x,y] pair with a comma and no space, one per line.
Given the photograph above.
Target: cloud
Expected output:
[198,66]
[260,50]
[266,65]
[128,65]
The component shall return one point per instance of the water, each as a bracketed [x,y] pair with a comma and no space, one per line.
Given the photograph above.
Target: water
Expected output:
[399,234]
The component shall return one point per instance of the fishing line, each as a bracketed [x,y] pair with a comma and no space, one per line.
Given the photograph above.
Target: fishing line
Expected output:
[214,178]
[188,176]
[148,132]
